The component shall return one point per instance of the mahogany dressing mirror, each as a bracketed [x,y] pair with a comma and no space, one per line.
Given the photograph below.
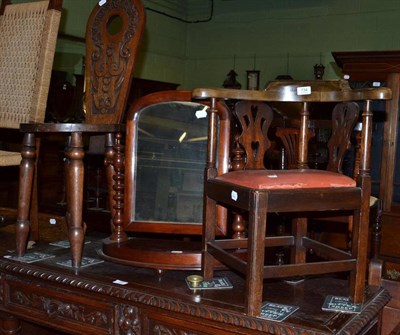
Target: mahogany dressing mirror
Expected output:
[165,159]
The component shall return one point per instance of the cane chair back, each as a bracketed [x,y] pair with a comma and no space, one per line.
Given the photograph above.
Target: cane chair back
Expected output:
[28,34]
[27,46]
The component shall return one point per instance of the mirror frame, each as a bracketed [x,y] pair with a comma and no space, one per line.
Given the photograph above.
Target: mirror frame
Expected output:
[130,224]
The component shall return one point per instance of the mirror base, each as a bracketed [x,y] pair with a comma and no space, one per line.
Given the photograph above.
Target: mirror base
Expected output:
[154,254]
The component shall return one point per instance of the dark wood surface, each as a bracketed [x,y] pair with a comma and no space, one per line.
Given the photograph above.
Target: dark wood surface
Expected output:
[87,301]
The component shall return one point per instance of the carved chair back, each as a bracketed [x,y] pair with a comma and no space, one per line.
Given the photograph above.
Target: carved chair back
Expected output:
[113,35]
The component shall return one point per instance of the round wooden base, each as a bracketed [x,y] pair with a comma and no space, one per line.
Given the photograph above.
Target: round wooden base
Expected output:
[154,253]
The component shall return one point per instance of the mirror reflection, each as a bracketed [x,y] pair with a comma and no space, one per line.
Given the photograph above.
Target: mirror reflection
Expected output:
[171,155]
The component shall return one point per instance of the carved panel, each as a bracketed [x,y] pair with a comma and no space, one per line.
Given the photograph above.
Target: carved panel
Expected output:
[110,57]
[128,320]
[159,329]
[91,313]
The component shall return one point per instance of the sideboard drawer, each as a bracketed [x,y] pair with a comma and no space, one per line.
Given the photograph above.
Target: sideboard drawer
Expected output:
[159,323]
[57,307]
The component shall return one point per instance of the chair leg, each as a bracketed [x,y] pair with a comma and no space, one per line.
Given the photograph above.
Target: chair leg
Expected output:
[210,222]
[359,251]
[74,186]
[34,209]
[26,171]
[256,254]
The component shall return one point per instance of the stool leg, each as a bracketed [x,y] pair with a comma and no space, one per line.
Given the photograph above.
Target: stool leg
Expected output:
[26,173]
[74,187]
[256,253]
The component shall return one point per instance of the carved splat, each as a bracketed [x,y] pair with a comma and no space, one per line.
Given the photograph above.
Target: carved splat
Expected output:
[254,119]
[290,140]
[344,118]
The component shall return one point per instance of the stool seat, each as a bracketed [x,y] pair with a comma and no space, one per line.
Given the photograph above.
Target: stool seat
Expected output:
[286,179]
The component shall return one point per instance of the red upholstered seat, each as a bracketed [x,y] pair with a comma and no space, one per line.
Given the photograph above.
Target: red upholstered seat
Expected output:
[286,179]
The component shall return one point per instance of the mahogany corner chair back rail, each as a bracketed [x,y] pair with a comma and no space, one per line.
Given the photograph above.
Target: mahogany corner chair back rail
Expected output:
[259,192]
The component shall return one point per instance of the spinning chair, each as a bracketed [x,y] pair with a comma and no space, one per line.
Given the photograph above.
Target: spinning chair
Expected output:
[259,192]
[113,33]
[28,35]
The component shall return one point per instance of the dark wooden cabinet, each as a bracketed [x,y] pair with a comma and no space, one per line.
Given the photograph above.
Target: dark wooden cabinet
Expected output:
[383,68]
[108,298]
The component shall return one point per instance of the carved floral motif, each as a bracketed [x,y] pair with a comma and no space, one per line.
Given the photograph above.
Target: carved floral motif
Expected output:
[57,308]
[128,320]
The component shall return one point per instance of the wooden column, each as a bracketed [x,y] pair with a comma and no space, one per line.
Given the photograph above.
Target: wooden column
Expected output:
[390,142]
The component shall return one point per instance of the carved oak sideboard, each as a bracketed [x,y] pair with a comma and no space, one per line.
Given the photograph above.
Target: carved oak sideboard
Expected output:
[108,298]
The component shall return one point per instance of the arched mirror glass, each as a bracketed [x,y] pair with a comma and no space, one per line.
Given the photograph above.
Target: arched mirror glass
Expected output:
[171,154]
[166,169]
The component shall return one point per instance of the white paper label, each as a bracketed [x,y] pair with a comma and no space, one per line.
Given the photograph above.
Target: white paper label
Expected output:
[376,84]
[234,195]
[102,2]
[304,90]
[120,282]
[201,114]
[346,76]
